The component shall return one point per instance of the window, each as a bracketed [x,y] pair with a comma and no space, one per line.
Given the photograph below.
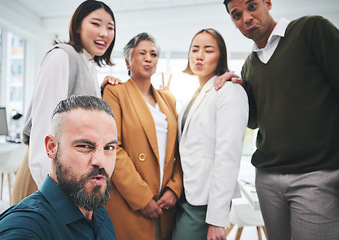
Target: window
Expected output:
[15,62]
[15,79]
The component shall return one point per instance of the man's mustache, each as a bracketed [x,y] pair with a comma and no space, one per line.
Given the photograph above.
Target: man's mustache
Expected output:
[96,171]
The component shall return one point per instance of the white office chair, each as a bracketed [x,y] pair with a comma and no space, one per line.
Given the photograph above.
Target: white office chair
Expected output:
[9,165]
[242,214]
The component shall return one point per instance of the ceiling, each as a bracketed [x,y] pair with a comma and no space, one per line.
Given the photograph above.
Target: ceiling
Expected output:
[46,9]
[61,8]
[172,22]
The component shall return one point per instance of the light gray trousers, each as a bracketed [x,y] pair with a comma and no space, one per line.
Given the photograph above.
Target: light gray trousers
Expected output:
[300,206]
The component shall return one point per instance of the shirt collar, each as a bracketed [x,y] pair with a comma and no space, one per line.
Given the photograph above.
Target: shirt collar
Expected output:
[278,31]
[64,207]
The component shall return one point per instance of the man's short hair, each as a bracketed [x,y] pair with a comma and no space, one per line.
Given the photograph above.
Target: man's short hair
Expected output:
[227,2]
[89,103]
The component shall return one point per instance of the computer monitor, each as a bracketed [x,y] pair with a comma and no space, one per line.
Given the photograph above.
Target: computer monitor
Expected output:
[3,122]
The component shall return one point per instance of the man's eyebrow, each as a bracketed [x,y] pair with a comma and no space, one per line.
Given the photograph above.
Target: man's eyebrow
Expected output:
[233,11]
[113,142]
[86,141]
[82,141]
[247,2]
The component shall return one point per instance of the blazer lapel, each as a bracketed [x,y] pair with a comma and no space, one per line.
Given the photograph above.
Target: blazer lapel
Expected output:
[206,88]
[180,117]
[144,115]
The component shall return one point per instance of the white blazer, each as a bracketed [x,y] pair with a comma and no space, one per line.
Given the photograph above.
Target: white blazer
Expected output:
[211,146]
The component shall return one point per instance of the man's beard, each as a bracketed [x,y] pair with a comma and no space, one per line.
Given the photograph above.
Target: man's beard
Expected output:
[75,189]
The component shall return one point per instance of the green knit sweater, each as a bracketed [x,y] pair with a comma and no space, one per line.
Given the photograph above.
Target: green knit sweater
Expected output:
[294,99]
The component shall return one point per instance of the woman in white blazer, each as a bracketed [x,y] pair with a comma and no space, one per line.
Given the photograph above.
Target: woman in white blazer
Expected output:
[211,131]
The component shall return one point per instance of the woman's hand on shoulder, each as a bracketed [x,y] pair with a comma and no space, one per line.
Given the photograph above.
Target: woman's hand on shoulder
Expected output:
[110,80]
[227,76]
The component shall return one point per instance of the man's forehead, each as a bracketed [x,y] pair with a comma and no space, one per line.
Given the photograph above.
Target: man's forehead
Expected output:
[236,3]
[82,120]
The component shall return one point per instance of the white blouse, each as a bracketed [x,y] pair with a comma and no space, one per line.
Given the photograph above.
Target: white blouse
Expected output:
[51,87]
[161,130]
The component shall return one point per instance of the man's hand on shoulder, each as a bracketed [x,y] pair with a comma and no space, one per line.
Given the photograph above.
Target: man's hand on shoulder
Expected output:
[227,76]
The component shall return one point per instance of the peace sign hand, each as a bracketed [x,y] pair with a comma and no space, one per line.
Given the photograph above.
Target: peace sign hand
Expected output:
[163,86]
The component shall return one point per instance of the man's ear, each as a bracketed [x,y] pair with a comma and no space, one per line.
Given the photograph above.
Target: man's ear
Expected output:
[51,145]
[268,4]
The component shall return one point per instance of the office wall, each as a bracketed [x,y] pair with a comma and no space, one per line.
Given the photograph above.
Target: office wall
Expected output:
[175,26]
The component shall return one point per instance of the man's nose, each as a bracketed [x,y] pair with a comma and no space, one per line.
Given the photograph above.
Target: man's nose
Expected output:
[247,16]
[99,159]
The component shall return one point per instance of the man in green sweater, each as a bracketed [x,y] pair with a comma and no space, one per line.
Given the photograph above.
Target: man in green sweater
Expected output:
[292,80]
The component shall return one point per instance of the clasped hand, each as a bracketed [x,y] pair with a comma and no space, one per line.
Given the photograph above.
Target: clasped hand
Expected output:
[154,209]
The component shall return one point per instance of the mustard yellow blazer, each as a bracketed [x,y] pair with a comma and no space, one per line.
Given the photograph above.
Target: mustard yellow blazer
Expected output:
[136,178]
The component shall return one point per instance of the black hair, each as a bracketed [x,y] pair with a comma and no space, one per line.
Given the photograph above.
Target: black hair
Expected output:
[222,66]
[80,13]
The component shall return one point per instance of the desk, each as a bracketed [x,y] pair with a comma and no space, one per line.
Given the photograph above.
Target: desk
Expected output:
[8,147]
[246,182]
[6,150]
